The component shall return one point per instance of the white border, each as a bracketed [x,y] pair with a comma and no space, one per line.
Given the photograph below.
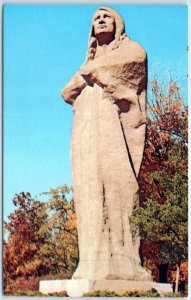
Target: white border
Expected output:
[89,2]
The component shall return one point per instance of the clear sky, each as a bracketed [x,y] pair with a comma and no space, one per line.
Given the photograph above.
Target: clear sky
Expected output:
[44,45]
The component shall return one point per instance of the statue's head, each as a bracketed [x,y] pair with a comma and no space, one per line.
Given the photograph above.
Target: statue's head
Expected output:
[103,25]
[106,22]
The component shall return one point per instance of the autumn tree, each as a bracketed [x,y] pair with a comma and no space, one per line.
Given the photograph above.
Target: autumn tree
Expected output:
[162,217]
[21,256]
[42,239]
[166,125]
[62,220]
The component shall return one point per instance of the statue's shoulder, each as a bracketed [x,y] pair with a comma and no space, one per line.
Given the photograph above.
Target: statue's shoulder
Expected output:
[134,47]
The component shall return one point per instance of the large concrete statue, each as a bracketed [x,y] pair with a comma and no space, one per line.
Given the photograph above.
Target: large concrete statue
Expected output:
[108,95]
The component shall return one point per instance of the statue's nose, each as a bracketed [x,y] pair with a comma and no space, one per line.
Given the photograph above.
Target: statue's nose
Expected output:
[101,21]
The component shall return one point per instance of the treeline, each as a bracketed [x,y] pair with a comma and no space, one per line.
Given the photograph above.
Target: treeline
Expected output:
[41,238]
[162,218]
[42,241]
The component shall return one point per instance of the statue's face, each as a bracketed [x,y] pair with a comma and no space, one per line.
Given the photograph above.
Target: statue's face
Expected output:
[103,22]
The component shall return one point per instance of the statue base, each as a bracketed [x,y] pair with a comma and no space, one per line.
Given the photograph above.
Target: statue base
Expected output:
[77,287]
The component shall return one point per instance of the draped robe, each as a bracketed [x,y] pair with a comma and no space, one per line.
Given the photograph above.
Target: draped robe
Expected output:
[108,95]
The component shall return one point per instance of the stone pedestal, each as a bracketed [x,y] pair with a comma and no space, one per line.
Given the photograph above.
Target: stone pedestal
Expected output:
[77,287]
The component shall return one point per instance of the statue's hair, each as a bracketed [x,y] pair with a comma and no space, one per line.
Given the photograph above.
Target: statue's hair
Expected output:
[119,34]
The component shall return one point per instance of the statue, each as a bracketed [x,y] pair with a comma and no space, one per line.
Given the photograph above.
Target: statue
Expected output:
[108,95]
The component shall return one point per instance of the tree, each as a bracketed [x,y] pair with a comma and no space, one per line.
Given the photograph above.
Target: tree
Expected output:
[21,256]
[166,124]
[62,220]
[162,217]
[42,240]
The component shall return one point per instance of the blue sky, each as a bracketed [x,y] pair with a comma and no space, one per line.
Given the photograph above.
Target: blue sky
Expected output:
[44,45]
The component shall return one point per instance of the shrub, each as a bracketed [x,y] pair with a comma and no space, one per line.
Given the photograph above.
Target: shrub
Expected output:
[175,295]
[24,293]
[22,284]
[36,293]
[102,293]
[150,293]
[61,294]
[105,293]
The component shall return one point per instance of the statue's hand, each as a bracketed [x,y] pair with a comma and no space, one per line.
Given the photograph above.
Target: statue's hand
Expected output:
[123,92]
[94,72]
[88,74]
[73,88]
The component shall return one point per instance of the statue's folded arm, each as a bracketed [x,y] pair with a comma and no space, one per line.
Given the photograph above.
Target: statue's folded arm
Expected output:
[126,65]
[73,88]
